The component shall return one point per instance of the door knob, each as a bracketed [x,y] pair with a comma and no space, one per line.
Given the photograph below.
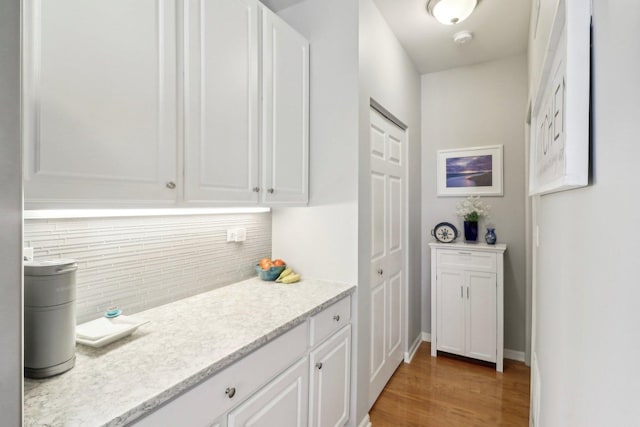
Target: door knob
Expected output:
[230,392]
[171,185]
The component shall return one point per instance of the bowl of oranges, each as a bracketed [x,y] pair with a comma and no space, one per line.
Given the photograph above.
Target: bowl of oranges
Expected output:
[270,270]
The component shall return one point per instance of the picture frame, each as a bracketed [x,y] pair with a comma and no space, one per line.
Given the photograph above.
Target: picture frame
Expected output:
[474,171]
[560,116]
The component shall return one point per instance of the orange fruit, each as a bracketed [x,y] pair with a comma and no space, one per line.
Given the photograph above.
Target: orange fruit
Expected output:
[278,262]
[265,263]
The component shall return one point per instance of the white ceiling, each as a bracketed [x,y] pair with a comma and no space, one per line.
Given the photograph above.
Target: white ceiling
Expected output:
[500,29]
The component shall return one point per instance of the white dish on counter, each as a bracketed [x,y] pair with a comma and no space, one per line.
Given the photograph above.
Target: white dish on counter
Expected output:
[103,331]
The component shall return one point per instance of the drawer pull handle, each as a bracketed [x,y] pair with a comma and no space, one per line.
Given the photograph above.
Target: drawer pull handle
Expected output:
[465,253]
[319,365]
[336,317]
[230,392]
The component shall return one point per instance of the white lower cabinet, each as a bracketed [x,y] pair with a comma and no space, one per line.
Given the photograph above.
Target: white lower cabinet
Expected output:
[283,402]
[285,383]
[329,388]
[467,289]
[467,314]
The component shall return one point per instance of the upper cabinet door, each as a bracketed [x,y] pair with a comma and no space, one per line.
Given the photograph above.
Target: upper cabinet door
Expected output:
[285,116]
[221,101]
[99,102]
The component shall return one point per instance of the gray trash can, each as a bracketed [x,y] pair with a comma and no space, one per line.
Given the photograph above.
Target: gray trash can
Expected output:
[49,317]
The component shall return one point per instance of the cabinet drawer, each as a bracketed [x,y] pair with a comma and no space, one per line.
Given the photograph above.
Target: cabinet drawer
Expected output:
[476,260]
[330,320]
[208,400]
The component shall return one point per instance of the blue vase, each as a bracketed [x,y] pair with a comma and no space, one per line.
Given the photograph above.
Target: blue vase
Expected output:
[490,237]
[471,231]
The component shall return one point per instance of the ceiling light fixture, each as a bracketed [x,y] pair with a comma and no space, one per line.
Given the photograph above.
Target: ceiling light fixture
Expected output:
[450,12]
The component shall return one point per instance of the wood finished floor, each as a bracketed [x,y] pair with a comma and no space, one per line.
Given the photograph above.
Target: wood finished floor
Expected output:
[447,391]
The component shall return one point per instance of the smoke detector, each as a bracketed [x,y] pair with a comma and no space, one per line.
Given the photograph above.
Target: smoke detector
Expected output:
[462,37]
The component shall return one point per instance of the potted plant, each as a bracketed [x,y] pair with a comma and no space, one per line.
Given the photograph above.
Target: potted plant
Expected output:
[472,209]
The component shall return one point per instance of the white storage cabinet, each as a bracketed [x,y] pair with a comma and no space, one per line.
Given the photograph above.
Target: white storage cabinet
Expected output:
[330,364]
[467,300]
[102,119]
[302,378]
[238,150]
[100,103]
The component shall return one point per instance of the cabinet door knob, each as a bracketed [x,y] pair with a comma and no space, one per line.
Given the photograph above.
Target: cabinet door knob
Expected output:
[380,272]
[256,189]
[336,317]
[319,365]
[171,185]
[230,392]
[270,190]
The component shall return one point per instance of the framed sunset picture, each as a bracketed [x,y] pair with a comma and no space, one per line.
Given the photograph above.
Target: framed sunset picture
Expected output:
[470,171]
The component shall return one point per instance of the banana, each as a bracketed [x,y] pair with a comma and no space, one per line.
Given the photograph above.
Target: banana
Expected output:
[284,273]
[291,278]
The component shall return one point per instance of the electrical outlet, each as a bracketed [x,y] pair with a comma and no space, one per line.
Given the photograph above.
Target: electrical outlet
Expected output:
[236,234]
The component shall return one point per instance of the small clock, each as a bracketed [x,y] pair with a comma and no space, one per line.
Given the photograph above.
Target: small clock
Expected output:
[445,232]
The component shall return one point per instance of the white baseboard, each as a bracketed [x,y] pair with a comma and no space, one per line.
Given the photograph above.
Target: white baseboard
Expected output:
[514,355]
[366,422]
[408,356]
[508,354]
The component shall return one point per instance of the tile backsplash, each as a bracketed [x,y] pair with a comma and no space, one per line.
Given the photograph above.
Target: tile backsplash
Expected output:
[138,263]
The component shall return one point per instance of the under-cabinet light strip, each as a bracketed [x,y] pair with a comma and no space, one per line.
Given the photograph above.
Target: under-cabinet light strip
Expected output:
[104,213]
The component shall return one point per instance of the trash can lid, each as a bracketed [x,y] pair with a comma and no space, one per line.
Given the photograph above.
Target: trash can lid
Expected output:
[49,267]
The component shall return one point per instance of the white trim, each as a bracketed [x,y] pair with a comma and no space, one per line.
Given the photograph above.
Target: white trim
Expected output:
[514,355]
[104,213]
[366,422]
[408,356]
[508,353]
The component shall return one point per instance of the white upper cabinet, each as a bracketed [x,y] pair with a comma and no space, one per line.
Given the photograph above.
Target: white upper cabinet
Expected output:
[107,122]
[285,120]
[221,101]
[99,102]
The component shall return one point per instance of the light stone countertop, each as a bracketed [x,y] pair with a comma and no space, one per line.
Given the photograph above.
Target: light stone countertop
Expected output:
[185,342]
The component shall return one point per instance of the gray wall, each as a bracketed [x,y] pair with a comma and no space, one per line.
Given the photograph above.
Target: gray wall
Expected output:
[10,217]
[351,47]
[137,263]
[586,316]
[471,106]
[387,75]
